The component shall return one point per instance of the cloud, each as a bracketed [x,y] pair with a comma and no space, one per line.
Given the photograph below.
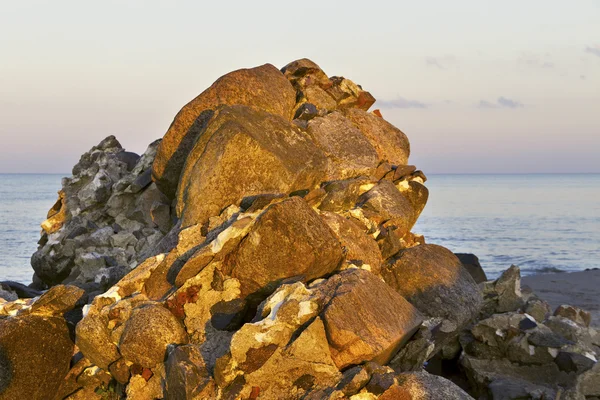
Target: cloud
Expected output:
[501,102]
[535,60]
[401,102]
[440,62]
[593,50]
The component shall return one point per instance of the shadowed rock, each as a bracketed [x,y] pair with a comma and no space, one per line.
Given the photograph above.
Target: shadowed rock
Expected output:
[434,281]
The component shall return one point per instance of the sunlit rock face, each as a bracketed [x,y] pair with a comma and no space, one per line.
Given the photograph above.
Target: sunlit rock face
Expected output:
[264,250]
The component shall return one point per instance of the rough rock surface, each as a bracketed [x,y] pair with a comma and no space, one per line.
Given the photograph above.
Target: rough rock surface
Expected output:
[106,218]
[435,282]
[263,250]
[264,88]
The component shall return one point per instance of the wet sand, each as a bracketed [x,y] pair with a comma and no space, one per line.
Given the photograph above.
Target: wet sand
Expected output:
[580,289]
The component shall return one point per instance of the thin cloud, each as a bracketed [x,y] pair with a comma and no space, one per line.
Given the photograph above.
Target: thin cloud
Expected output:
[440,62]
[535,60]
[501,102]
[401,102]
[593,50]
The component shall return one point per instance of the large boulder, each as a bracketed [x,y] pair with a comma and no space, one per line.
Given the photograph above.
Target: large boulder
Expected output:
[433,279]
[350,153]
[264,88]
[147,334]
[364,318]
[288,240]
[390,142]
[245,152]
[35,352]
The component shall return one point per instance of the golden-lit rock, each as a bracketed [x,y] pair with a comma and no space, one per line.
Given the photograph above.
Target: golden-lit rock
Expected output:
[263,87]
[288,240]
[433,279]
[245,152]
[365,319]
[390,142]
[57,215]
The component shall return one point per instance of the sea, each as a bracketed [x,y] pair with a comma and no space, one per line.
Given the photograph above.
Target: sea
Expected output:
[544,223]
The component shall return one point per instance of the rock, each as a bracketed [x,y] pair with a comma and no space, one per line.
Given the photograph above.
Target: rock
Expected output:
[365,319]
[342,195]
[271,347]
[575,314]
[537,308]
[35,352]
[390,143]
[569,361]
[349,152]
[94,341]
[186,374]
[19,290]
[424,386]
[503,294]
[57,300]
[147,334]
[100,200]
[471,264]
[277,158]
[263,87]
[432,279]
[288,240]
[360,249]
[304,72]
[353,380]
[389,209]
[347,94]
[505,380]
[306,112]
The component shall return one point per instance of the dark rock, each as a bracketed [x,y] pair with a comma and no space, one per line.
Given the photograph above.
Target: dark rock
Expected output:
[471,263]
[186,374]
[129,158]
[547,339]
[306,112]
[569,361]
[22,291]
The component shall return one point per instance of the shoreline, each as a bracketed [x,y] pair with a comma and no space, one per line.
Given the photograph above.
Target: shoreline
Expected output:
[580,289]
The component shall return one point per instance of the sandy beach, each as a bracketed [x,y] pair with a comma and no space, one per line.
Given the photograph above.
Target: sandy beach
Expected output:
[581,289]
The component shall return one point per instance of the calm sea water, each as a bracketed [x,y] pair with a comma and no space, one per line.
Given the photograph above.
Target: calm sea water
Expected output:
[539,222]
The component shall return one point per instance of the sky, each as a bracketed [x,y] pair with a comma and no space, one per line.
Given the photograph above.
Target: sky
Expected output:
[507,86]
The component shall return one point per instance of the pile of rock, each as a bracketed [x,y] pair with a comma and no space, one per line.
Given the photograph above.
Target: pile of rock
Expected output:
[108,217]
[285,268]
